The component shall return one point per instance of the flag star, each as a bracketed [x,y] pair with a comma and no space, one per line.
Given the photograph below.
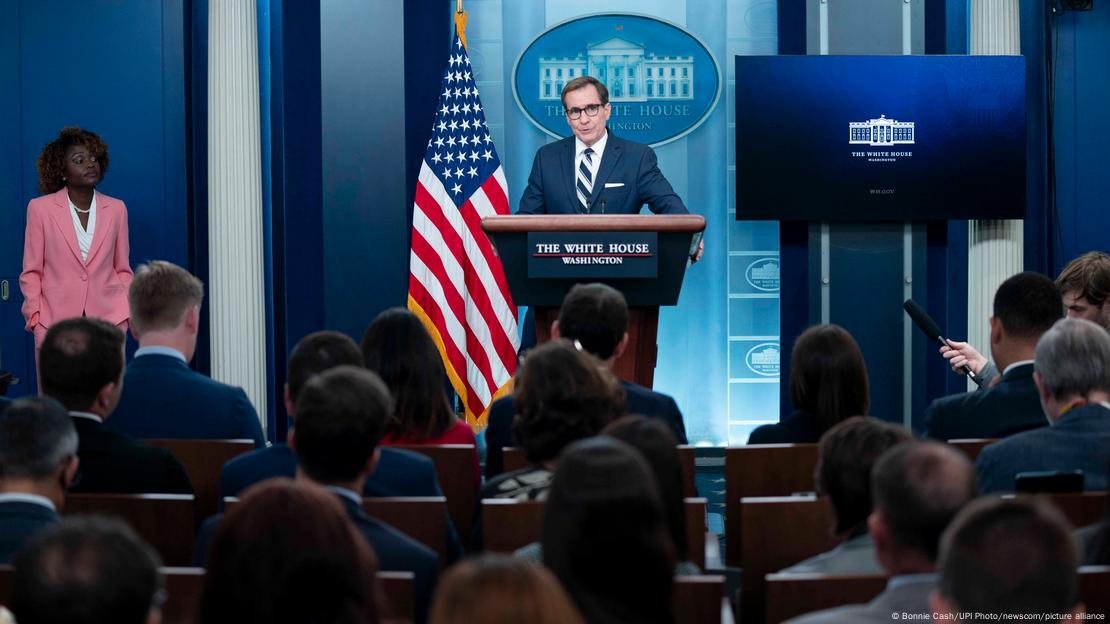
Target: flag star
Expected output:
[466,59]
[463,140]
[458,42]
[473,156]
[436,158]
[456,189]
[466,76]
[466,124]
[442,125]
[439,141]
[455,110]
[451,141]
[444,110]
[487,155]
[454,125]
[450,77]
[488,140]
[466,108]
[459,173]
[450,157]
[473,172]
[447,172]
[477,107]
[446,93]
[477,139]
[458,93]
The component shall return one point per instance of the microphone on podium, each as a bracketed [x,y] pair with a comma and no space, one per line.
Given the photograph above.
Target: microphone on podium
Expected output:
[926,324]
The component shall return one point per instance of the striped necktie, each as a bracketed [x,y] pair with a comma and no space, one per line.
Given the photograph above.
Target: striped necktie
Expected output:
[585,182]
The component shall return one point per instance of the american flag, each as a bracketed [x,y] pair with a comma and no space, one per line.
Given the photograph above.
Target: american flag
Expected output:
[456,284]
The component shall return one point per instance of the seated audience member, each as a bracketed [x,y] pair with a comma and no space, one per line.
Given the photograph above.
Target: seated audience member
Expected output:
[1085,288]
[828,383]
[1025,307]
[1072,372]
[341,414]
[398,472]
[87,570]
[1094,542]
[398,348]
[1007,557]
[604,534]
[561,395]
[495,589]
[81,366]
[38,460]
[845,457]
[596,315]
[919,488]
[288,553]
[162,397]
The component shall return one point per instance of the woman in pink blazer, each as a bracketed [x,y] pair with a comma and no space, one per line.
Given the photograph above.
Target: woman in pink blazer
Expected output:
[75,254]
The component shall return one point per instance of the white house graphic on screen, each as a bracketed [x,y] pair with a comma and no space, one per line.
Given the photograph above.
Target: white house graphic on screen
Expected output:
[630,74]
[880,132]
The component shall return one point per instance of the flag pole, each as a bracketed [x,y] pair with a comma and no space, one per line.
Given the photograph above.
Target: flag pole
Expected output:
[460,22]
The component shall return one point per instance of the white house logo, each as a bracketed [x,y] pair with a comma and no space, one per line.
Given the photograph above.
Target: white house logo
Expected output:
[881,132]
[763,274]
[763,359]
[663,82]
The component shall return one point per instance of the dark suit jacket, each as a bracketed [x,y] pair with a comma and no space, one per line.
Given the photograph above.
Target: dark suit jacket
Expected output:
[551,185]
[638,400]
[797,428]
[1010,406]
[112,462]
[4,401]
[19,522]
[163,398]
[399,473]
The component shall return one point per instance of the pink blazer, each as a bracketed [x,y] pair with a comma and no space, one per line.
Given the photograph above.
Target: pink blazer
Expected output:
[56,283]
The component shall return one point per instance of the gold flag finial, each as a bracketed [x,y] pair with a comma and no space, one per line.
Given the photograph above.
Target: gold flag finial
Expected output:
[460,22]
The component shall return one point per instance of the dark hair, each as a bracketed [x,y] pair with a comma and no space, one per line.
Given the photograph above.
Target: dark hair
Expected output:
[582,82]
[561,395]
[51,162]
[160,295]
[288,554]
[919,487]
[1088,275]
[604,535]
[845,457]
[828,378]
[499,589]
[1009,556]
[87,569]
[656,442]
[398,348]
[1027,305]
[341,417]
[316,353]
[79,357]
[37,436]
[596,315]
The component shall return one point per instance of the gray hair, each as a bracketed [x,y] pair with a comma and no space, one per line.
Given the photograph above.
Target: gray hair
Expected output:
[36,436]
[1073,358]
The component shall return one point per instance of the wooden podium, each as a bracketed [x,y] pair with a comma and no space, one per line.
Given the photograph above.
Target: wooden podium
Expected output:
[648,279]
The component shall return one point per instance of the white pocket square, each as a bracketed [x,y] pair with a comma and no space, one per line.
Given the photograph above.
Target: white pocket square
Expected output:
[614,184]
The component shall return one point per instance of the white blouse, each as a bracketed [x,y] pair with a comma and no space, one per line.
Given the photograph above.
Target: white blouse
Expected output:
[84,236]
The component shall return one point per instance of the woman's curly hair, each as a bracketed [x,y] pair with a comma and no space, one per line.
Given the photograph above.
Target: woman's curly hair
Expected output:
[51,162]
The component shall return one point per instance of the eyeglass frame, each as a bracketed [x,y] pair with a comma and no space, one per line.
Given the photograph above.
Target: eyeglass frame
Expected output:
[576,113]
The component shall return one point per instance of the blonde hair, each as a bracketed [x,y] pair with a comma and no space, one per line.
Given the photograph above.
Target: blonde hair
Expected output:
[160,295]
[498,589]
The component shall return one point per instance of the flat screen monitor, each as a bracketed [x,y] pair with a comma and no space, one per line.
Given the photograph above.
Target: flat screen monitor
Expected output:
[880,138]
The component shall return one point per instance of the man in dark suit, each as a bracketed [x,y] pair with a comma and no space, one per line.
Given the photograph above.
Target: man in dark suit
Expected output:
[1071,369]
[398,473]
[162,397]
[81,366]
[596,316]
[1025,307]
[38,460]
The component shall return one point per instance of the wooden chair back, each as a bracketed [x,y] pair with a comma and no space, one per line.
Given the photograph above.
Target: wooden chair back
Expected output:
[455,469]
[696,528]
[509,524]
[166,521]
[790,595]
[1081,508]
[203,460]
[972,446]
[183,589]
[698,599]
[1094,588]
[762,470]
[514,459]
[400,596]
[423,518]
[779,532]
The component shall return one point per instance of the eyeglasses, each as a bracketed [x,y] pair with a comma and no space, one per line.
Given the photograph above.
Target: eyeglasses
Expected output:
[592,110]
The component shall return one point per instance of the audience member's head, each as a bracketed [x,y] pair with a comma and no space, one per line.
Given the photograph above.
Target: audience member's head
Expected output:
[398,348]
[596,315]
[38,449]
[1072,365]
[656,442]
[604,535]
[287,553]
[1085,286]
[165,306]
[561,395]
[1007,556]
[845,456]
[81,365]
[314,354]
[828,378]
[1025,307]
[918,488]
[87,570]
[498,589]
[341,416]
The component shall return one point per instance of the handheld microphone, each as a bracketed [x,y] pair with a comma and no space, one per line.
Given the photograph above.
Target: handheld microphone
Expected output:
[926,324]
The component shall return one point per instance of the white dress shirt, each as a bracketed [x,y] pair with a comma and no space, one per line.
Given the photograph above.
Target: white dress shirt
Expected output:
[84,236]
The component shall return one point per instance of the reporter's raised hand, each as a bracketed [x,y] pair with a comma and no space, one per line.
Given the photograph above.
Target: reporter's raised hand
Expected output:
[960,353]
